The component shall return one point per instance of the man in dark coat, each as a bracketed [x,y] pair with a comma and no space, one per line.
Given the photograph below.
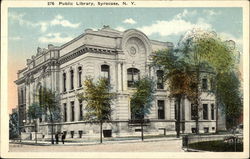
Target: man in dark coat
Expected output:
[63,137]
[57,137]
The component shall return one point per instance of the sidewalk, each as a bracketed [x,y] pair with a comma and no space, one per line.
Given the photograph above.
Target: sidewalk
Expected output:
[81,142]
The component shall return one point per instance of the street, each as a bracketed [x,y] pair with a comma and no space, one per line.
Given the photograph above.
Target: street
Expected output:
[169,145]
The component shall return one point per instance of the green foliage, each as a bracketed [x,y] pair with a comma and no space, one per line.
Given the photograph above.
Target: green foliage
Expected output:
[141,100]
[230,97]
[98,99]
[217,146]
[177,73]
[200,51]
[35,111]
[49,103]
[13,125]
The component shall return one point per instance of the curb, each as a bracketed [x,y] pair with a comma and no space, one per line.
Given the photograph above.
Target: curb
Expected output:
[93,143]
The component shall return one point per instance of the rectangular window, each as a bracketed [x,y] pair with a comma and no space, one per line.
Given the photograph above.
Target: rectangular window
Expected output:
[160,79]
[72,111]
[193,112]
[204,84]
[80,111]
[80,76]
[72,79]
[22,97]
[161,109]
[205,112]
[133,75]
[65,111]
[212,111]
[105,72]
[64,82]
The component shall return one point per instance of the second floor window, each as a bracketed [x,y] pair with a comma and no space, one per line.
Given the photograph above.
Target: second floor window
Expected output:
[133,75]
[160,79]
[64,82]
[71,79]
[105,72]
[80,76]
[204,84]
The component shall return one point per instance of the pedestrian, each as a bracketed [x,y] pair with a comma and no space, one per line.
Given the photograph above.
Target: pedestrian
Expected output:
[57,137]
[63,137]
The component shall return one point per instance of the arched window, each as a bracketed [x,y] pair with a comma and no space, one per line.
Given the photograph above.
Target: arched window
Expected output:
[105,72]
[72,79]
[80,76]
[133,75]
[160,84]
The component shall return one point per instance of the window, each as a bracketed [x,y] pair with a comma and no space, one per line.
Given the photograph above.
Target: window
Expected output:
[193,112]
[72,111]
[80,76]
[133,76]
[205,115]
[206,129]
[161,112]
[65,111]
[64,82]
[136,113]
[105,72]
[175,111]
[80,111]
[71,79]
[22,97]
[160,84]
[204,84]
[212,111]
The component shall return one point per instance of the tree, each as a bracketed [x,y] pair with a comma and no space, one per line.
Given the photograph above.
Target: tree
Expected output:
[202,49]
[230,97]
[98,100]
[35,111]
[141,100]
[179,76]
[49,102]
[13,125]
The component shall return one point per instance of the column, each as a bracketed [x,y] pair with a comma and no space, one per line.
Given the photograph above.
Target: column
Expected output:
[125,85]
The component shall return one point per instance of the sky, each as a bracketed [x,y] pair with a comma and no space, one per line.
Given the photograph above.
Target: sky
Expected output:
[29,28]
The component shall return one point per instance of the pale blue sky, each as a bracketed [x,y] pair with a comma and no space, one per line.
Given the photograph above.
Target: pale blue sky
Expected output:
[32,27]
[29,28]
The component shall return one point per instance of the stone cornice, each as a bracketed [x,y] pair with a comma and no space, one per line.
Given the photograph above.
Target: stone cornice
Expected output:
[87,48]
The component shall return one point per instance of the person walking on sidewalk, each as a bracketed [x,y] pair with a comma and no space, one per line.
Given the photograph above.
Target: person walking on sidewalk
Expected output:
[63,137]
[57,137]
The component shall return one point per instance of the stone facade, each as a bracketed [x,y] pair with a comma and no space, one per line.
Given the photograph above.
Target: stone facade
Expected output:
[120,56]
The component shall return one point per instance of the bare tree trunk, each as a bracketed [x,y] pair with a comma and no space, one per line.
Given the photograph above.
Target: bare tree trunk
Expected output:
[100,131]
[142,135]
[217,116]
[52,129]
[178,117]
[36,130]
[197,99]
